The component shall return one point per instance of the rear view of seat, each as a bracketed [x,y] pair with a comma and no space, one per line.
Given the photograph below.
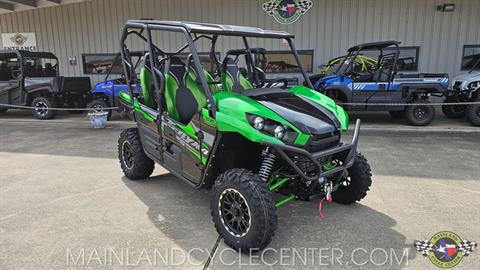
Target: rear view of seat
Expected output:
[146,82]
[232,79]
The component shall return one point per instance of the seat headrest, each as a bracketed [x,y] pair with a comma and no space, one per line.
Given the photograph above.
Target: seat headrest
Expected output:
[229,66]
[177,69]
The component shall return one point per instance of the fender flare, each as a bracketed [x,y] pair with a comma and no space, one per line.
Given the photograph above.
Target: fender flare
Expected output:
[343,89]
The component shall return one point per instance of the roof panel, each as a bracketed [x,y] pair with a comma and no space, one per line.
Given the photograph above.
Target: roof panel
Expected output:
[221,29]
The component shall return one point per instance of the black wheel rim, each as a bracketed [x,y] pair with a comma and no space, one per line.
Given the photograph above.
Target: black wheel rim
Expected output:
[234,212]
[41,108]
[346,181]
[127,155]
[420,113]
[458,109]
[98,108]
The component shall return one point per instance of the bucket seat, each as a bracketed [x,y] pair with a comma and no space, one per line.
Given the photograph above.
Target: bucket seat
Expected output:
[183,96]
[232,79]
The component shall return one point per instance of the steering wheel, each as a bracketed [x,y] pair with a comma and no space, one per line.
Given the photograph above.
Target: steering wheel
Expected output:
[277,80]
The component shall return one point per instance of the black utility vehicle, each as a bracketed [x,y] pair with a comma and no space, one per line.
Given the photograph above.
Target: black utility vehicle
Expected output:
[32,79]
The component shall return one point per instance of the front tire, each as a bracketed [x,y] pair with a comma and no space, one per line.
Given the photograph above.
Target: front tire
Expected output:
[455,111]
[133,160]
[473,114]
[243,210]
[99,105]
[420,113]
[41,107]
[356,184]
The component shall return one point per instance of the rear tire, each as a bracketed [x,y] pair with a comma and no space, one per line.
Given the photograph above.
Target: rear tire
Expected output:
[133,160]
[455,111]
[2,110]
[41,105]
[420,114]
[473,114]
[243,210]
[397,114]
[97,105]
[356,185]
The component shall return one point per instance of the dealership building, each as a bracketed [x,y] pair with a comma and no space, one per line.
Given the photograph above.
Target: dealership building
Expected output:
[437,35]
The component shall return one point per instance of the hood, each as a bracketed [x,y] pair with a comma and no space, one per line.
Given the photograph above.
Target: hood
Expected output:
[464,79]
[306,115]
[474,75]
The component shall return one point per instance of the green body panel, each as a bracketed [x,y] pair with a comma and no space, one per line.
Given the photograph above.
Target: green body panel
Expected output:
[227,82]
[323,100]
[125,97]
[231,117]
[146,81]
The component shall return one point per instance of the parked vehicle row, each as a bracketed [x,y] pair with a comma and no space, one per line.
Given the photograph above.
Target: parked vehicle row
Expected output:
[32,79]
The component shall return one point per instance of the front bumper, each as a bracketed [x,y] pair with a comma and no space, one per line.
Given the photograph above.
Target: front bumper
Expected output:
[345,153]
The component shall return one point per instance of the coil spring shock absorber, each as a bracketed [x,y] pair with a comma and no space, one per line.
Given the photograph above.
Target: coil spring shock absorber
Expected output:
[267,164]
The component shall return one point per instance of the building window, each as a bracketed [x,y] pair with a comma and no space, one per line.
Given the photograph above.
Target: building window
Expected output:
[101,63]
[470,57]
[284,61]
[407,58]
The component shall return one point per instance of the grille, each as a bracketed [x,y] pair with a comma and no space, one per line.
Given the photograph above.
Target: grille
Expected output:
[320,142]
[457,85]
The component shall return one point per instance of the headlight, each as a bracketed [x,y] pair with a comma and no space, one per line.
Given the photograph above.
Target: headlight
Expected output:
[272,128]
[258,122]
[279,132]
[474,85]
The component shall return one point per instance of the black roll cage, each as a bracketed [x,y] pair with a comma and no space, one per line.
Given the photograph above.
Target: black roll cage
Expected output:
[21,55]
[354,51]
[137,28]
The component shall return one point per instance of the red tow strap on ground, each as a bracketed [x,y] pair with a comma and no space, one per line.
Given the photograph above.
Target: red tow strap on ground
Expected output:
[320,213]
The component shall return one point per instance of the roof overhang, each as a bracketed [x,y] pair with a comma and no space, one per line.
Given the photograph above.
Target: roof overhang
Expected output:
[7,6]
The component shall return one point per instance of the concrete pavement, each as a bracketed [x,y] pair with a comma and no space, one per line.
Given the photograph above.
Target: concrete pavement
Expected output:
[64,204]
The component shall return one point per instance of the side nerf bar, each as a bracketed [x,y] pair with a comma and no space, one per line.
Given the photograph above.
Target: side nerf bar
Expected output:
[343,152]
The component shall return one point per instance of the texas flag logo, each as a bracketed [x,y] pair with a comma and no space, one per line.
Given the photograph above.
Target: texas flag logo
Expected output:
[287,11]
[446,251]
[291,8]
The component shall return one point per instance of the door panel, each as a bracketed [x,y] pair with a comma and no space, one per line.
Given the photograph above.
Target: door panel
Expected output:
[10,92]
[149,132]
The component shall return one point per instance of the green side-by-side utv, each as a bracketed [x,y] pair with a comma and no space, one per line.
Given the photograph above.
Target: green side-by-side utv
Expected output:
[255,146]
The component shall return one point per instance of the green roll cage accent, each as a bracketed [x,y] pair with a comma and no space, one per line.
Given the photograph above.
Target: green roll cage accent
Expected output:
[361,59]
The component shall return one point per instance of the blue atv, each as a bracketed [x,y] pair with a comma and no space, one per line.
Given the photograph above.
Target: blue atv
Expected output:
[376,86]
[105,94]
